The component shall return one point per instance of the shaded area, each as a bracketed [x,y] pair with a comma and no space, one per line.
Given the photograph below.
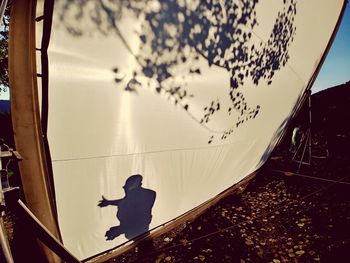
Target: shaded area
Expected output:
[332,115]
[134,210]
[6,132]
[330,121]
[22,239]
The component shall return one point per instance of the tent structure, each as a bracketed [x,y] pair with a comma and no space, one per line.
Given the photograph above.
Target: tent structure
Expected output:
[131,114]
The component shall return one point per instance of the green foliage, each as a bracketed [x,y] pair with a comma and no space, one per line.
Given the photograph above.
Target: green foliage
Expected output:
[4,79]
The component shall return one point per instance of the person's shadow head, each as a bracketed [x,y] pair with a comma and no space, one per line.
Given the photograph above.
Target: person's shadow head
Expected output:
[134,181]
[134,210]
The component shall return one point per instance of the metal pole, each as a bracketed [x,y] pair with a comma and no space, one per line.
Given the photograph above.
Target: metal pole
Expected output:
[303,154]
[310,133]
[2,10]
[5,246]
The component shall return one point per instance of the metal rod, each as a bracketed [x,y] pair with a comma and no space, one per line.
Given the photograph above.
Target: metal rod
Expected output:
[5,246]
[303,154]
[310,129]
[296,152]
[312,177]
[306,163]
[2,10]
[4,243]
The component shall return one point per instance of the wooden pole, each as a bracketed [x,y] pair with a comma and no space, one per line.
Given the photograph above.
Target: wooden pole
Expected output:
[26,118]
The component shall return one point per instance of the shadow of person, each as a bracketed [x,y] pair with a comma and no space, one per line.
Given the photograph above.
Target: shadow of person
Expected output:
[134,210]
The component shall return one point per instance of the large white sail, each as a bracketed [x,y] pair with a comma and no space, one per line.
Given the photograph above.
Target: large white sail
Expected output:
[160,105]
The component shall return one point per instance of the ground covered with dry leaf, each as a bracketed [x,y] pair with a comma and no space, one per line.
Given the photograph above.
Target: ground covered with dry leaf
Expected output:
[280,217]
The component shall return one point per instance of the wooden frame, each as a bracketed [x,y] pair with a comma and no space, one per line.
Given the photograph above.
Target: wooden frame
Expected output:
[26,117]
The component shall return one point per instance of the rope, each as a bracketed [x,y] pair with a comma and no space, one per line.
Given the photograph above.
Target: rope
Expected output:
[245,221]
[315,178]
[146,152]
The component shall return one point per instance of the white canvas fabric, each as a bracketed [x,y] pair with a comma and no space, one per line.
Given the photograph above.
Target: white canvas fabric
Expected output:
[189,95]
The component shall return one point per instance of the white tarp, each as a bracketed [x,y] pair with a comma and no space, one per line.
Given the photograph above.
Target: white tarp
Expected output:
[191,95]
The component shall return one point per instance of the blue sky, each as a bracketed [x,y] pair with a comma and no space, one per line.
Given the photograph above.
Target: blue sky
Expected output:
[336,68]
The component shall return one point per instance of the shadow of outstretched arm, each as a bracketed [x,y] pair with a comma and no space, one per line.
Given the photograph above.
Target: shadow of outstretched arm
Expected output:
[105,202]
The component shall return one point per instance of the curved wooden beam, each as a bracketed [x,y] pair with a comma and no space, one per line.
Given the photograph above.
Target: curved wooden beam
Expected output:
[26,117]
